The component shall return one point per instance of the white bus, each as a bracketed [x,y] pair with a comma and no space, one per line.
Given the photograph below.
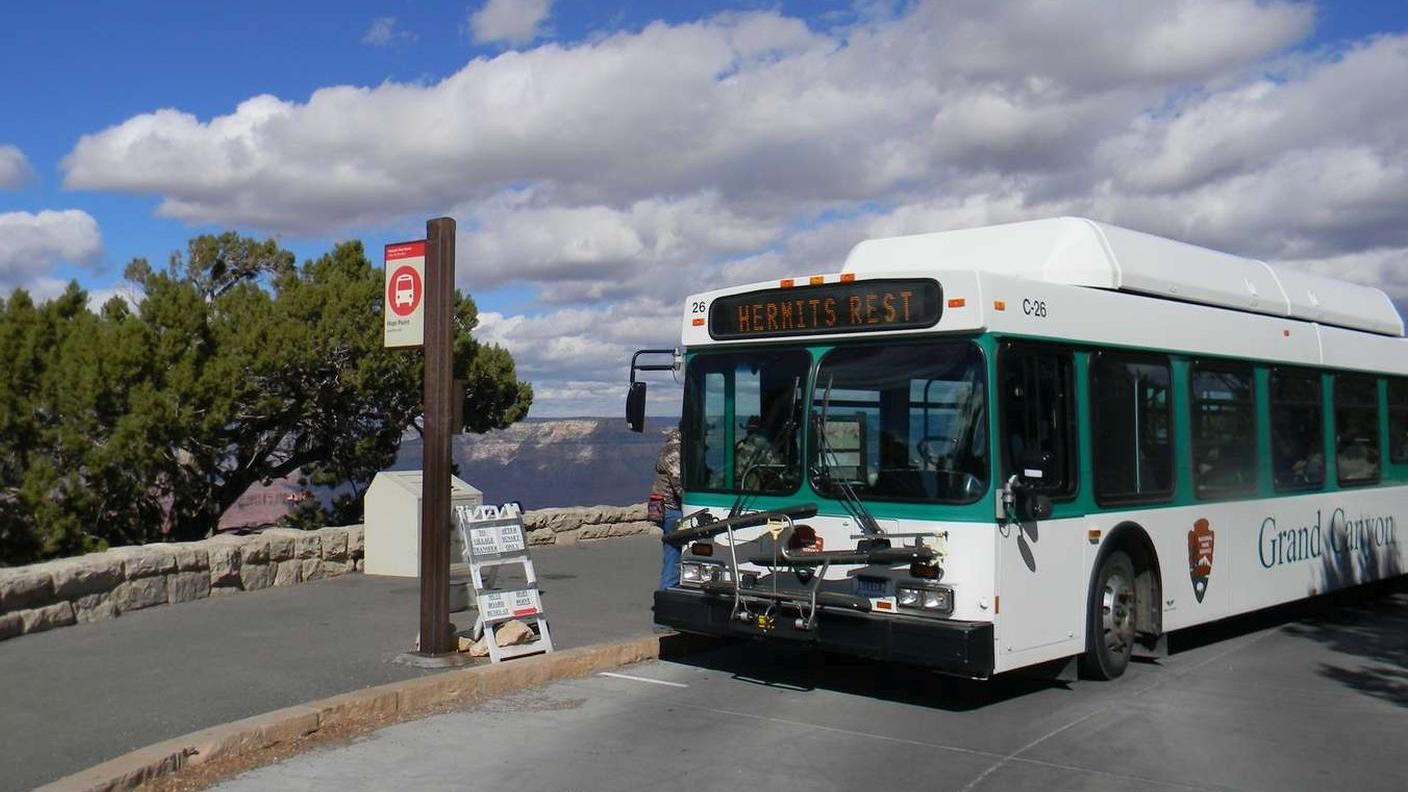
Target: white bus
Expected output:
[1030,444]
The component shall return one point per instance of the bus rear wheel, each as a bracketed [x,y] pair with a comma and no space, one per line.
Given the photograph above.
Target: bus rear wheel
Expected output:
[1110,627]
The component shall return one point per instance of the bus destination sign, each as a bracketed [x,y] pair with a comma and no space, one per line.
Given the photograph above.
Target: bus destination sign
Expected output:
[847,307]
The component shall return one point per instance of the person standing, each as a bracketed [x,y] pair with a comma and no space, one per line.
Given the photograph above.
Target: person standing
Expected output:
[665,504]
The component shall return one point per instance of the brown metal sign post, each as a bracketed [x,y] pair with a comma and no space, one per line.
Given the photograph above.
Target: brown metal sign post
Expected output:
[436,633]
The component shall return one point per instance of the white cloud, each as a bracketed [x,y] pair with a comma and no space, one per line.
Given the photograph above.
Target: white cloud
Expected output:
[128,292]
[385,31]
[511,21]
[774,118]
[1250,125]
[596,251]
[1093,45]
[15,171]
[44,289]
[577,358]
[31,244]
[1384,268]
[620,173]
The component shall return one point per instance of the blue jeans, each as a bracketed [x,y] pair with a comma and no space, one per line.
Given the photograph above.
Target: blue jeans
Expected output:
[670,568]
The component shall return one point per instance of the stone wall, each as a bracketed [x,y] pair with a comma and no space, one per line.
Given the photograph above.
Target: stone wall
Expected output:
[585,524]
[105,585]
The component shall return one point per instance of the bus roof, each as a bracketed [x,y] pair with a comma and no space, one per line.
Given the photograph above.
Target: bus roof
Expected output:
[1081,252]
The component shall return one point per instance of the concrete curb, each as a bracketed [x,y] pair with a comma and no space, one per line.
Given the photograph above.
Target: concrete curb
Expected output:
[404,700]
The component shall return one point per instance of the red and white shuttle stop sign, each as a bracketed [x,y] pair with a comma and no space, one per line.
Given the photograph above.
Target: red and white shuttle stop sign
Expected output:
[405,294]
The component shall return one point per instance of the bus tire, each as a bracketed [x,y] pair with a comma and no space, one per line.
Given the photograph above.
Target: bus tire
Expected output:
[1110,625]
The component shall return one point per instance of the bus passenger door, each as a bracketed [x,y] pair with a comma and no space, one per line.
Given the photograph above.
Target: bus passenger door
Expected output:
[1040,575]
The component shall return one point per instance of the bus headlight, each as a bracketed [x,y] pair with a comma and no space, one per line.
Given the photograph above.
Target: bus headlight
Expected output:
[940,600]
[698,574]
[935,599]
[689,573]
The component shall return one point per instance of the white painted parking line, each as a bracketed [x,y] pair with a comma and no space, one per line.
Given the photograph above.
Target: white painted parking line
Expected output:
[642,679]
[1138,781]
[1034,743]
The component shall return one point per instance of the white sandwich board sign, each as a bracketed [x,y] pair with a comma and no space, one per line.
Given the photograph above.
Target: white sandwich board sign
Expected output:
[493,538]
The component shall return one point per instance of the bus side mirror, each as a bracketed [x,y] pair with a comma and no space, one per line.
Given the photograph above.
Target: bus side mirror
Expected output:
[635,407]
[1038,506]
[635,397]
[1035,467]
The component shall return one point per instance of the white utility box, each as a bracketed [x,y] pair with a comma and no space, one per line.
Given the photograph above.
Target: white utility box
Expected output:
[392,533]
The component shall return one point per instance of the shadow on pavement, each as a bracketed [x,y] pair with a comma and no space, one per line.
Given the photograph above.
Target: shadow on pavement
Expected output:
[800,667]
[1320,608]
[1368,621]
[1373,629]
[1371,622]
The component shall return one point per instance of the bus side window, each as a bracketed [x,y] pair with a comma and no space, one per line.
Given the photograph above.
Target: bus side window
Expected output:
[1297,430]
[1223,429]
[1038,413]
[1398,420]
[1357,429]
[1131,427]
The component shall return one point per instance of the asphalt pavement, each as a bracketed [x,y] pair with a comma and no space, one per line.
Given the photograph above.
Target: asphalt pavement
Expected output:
[77,696]
[1309,697]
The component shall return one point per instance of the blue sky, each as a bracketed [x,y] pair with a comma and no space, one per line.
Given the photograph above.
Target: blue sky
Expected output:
[604,159]
[75,68]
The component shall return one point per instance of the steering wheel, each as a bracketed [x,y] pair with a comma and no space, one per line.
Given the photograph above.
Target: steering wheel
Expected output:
[934,449]
[971,485]
[760,476]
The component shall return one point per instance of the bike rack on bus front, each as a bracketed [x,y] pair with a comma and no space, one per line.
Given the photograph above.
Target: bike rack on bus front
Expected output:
[771,600]
[780,557]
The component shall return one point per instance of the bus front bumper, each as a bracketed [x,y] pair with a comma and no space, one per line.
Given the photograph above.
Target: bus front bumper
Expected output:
[961,648]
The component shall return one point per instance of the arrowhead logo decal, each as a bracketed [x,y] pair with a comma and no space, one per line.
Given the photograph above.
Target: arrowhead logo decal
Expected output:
[1200,545]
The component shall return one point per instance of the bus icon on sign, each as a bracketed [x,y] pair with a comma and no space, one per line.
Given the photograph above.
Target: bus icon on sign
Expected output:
[405,291]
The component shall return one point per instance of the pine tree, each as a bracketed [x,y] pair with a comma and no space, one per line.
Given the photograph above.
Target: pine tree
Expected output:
[235,367]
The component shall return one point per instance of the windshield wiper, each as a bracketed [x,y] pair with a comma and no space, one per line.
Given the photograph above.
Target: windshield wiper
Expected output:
[788,440]
[849,500]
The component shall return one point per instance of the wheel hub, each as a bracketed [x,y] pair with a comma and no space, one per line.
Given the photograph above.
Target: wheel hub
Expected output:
[1117,612]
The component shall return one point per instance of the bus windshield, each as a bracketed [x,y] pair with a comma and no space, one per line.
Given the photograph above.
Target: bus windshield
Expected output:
[742,421]
[901,422]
